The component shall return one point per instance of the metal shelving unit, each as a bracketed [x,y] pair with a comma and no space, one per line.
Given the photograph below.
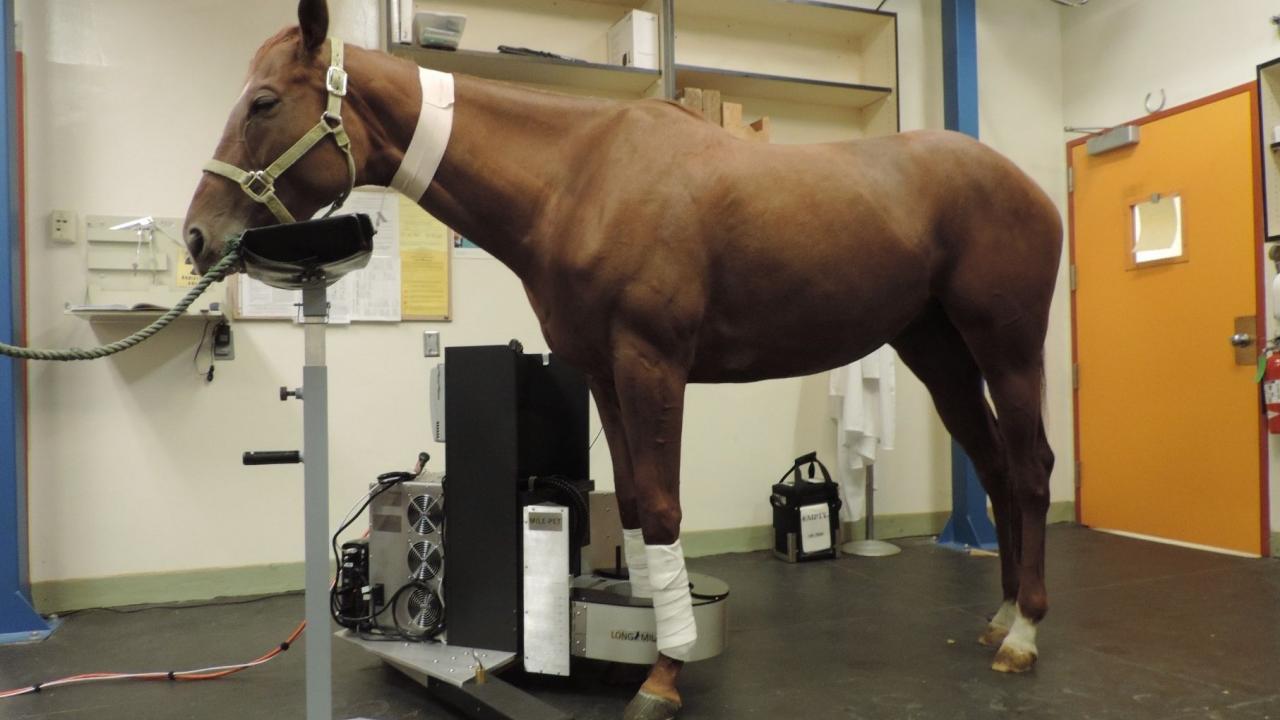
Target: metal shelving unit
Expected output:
[585,76]
[740,83]
[806,63]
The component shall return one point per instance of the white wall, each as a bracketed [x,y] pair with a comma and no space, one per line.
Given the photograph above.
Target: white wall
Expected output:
[1020,101]
[1118,51]
[134,460]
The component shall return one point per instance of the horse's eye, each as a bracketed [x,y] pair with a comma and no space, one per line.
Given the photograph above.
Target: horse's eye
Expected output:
[263,104]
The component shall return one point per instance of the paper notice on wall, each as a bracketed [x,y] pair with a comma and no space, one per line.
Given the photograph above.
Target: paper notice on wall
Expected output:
[424,259]
[185,275]
[373,294]
[407,277]
[259,301]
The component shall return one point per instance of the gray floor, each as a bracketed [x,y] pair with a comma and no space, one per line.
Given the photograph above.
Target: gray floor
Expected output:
[1136,630]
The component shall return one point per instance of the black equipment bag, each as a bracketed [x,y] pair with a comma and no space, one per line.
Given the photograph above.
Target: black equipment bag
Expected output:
[806,514]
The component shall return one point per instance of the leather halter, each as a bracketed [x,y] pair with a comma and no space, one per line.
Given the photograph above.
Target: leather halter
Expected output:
[260,185]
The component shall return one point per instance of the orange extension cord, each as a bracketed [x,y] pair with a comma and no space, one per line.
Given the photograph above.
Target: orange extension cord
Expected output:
[210,673]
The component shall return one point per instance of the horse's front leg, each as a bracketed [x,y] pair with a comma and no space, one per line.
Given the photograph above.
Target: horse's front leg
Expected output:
[606,396]
[650,390]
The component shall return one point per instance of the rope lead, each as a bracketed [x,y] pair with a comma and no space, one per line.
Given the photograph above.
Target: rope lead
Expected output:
[216,273]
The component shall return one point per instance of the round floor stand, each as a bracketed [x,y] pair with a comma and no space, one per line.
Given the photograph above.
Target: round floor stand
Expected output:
[870,548]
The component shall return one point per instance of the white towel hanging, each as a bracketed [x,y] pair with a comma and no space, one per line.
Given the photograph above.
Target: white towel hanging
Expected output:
[861,400]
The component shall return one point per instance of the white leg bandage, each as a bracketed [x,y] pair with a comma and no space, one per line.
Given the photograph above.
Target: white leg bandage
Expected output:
[1022,636]
[1005,616]
[637,563]
[672,603]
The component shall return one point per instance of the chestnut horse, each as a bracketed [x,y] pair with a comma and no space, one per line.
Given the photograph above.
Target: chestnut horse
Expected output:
[658,250]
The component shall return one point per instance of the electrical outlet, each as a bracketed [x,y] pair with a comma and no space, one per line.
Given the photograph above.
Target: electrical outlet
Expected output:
[431,343]
[62,226]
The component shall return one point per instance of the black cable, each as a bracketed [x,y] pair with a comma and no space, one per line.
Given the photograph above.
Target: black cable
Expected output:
[208,373]
[386,481]
[428,634]
[597,437]
[882,2]
[579,510]
[226,603]
[337,557]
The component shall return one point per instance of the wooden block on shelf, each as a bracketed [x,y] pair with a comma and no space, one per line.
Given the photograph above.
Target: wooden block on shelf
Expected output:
[761,130]
[712,107]
[690,98]
[730,116]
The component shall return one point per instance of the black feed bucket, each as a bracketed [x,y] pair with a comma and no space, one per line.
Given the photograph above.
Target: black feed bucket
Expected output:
[307,253]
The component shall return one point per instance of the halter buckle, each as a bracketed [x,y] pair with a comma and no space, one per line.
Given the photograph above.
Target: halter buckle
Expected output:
[266,183]
[336,81]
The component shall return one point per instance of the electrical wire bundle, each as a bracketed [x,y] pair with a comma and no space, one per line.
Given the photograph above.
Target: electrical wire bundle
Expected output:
[579,509]
[385,482]
[209,673]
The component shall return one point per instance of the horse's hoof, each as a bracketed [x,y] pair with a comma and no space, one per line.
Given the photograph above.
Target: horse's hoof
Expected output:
[993,636]
[1013,660]
[647,706]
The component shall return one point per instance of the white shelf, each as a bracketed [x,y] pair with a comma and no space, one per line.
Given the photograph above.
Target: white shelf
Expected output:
[739,83]
[140,317]
[584,76]
[787,16]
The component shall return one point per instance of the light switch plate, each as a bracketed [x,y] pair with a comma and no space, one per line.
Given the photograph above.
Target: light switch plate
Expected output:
[431,343]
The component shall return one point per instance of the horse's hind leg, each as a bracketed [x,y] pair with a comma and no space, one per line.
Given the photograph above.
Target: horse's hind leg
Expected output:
[1016,390]
[933,350]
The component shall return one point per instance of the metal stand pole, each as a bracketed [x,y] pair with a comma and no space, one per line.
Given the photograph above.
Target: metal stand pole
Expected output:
[969,525]
[870,547]
[315,454]
[668,48]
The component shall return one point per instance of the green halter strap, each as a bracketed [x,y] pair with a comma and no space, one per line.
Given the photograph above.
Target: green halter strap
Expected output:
[261,184]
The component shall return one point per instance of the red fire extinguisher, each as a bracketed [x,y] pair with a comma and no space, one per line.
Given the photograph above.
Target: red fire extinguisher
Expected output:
[1271,390]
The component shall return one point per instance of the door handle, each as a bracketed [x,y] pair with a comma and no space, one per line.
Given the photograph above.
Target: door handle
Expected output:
[1244,342]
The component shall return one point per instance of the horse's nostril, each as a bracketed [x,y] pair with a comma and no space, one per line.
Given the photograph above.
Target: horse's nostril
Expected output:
[195,242]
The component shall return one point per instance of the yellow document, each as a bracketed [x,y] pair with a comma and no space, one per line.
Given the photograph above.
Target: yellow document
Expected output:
[424,264]
[186,275]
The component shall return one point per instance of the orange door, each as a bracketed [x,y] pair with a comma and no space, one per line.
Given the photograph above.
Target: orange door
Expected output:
[1168,424]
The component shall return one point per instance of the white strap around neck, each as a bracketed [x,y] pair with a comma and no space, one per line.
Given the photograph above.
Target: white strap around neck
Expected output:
[430,138]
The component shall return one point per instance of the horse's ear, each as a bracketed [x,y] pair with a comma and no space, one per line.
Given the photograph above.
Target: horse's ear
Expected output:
[313,20]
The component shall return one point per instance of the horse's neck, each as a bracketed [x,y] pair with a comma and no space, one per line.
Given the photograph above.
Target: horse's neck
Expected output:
[505,160]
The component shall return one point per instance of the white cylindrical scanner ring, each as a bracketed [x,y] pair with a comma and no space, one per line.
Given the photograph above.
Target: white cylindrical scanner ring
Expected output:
[672,603]
[431,136]
[637,563]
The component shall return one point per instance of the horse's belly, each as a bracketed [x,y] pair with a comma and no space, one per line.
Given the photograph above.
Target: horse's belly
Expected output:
[764,345]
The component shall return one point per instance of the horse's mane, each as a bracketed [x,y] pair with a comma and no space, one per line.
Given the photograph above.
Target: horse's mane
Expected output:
[284,36]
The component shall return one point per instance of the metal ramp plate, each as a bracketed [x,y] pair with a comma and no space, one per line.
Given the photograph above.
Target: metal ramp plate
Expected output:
[449,672]
[451,664]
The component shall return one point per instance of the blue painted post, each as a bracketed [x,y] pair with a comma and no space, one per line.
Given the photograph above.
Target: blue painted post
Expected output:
[18,621]
[969,525]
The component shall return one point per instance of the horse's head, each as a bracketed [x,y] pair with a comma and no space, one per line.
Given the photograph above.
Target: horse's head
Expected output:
[287,96]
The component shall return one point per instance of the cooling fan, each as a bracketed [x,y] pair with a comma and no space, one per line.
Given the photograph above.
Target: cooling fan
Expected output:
[424,559]
[425,514]
[425,610]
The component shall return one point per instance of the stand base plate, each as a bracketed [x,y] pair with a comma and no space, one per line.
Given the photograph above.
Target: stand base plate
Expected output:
[870,548]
